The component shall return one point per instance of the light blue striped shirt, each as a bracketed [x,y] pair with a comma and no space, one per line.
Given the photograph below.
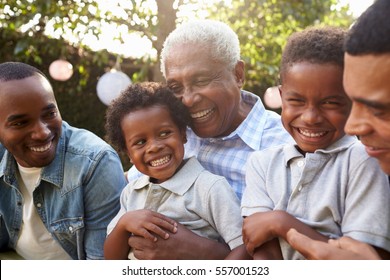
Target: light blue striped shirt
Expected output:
[227,156]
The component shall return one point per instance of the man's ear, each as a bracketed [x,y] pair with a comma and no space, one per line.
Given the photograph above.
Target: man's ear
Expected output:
[280,90]
[239,72]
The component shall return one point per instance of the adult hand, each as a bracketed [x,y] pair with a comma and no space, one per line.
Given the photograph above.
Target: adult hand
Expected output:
[344,248]
[184,244]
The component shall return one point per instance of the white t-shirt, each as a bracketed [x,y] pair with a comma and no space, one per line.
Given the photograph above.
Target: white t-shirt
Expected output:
[35,241]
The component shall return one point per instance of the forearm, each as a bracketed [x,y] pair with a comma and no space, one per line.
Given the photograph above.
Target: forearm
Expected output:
[269,251]
[116,246]
[201,248]
[286,222]
[239,253]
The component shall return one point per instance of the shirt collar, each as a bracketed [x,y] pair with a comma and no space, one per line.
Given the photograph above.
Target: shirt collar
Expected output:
[181,182]
[54,172]
[254,122]
[290,151]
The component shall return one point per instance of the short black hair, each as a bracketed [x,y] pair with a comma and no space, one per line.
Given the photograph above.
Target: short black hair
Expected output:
[319,45]
[370,34]
[10,71]
[139,96]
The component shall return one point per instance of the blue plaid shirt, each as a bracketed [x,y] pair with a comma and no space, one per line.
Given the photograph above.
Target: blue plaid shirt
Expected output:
[227,156]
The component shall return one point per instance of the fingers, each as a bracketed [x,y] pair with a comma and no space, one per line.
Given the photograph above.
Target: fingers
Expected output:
[344,248]
[163,221]
[360,249]
[142,248]
[160,224]
[154,224]
[250,248]
[303,244]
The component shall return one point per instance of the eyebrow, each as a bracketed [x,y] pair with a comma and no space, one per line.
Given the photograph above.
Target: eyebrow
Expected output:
[373,104]
[20,116]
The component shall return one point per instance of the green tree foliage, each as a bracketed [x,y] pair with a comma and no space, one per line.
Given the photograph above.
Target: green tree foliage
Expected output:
[263,27]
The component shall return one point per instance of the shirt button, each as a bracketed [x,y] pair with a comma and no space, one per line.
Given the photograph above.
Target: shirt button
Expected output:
[71,229]
[39,205]
[300,163]
[300,188]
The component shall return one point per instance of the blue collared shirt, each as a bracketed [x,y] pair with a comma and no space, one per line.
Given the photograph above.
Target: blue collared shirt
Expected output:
[227,156]
[76,198]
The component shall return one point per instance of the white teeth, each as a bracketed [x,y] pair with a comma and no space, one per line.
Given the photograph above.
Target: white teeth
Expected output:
[201,114]
[41,149]
[160,161]
[311,134]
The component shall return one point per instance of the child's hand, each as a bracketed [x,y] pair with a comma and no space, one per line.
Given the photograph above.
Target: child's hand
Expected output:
[145,222]
[256,230]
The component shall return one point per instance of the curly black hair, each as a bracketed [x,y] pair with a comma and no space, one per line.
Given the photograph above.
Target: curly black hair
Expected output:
[319,45]
[370,34]
[139,96]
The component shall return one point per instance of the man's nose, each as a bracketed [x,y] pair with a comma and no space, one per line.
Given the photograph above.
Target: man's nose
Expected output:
[40,131]
[357,123]
[190,97]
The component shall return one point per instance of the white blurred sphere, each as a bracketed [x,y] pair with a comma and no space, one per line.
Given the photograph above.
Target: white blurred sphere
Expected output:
[61,70]
[272,98]
[111,84]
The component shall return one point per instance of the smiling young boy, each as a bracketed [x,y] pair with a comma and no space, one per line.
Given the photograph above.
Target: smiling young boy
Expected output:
[319,186]
[149,123]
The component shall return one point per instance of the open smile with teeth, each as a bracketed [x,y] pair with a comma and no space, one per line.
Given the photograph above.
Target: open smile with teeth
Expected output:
[202,114]
[160,161]
[312,134]
[41,149]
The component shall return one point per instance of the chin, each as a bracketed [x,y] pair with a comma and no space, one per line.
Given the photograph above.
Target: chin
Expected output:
[204,134]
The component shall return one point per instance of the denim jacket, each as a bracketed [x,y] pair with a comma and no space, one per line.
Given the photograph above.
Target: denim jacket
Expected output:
[76,198]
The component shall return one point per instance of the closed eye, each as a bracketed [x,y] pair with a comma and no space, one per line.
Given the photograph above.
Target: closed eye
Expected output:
[165,133]
[295,101]
[139,142]
[18,124]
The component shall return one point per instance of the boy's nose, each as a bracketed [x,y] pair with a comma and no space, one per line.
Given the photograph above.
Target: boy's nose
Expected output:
[311,116]
[154,146]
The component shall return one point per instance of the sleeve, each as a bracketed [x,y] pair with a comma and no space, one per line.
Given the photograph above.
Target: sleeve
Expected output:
[101,200]
[224,212]
[123,209]
[255,198]
[367,207]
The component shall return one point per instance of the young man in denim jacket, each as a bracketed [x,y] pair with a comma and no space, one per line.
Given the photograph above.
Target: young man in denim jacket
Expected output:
[59,185]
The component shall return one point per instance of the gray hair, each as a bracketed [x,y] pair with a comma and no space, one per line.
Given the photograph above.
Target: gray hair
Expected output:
[217,36]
